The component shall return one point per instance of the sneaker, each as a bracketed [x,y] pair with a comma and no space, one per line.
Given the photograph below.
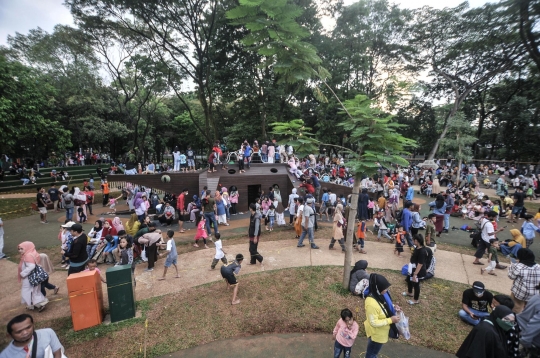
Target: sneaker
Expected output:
[301,245]
[313,246]
[149,270]
[4,257]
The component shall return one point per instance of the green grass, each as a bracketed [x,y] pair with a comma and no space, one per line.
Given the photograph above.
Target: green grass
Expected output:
[15,208]
[306,299]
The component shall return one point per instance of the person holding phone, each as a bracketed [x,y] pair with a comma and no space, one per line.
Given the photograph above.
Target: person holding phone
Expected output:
[475,303]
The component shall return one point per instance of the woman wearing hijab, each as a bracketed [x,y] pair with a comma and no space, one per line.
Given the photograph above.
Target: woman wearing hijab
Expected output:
[358,273]
[488,338]
[439,209]
[337,231]
[380,314]
[117,224]
[363,200]
[140,206]
[526,276]
[193,208]
[94,238]
[31,295]
[512,246]
[81,197]
[132,226]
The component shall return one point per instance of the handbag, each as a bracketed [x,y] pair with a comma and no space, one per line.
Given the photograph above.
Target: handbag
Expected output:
[38,275]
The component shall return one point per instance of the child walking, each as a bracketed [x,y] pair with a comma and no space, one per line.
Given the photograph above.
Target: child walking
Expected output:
[172,255]
[361,235]
[201,231]
[380,223]
[345,333]
[494,245]
[400,237]
[220,254]
[271,213]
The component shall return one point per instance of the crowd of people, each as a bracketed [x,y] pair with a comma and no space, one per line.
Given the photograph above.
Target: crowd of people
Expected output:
[385,205]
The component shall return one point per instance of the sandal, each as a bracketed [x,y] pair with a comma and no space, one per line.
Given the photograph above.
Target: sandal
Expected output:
[406,294]
[493,274]
[411,302]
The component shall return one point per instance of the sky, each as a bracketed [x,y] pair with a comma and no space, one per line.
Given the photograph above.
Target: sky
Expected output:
[24,15]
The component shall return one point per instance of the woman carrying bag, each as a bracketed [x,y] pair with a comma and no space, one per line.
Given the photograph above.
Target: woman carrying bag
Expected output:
[30,259]
[380,315]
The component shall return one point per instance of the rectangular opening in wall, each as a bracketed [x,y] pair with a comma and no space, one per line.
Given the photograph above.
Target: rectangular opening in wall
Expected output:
[254,191]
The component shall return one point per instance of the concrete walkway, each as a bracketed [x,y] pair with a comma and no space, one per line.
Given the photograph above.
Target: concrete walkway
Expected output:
[298,345]
[195,270]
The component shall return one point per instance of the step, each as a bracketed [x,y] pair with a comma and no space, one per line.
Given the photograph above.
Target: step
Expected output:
[44,181]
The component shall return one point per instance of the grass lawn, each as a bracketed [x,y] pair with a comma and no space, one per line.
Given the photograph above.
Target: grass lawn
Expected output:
[307,299]
[15,208]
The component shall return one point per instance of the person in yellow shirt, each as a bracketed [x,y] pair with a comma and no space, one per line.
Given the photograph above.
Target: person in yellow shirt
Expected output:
[512,246]
[380,314]
[537,217]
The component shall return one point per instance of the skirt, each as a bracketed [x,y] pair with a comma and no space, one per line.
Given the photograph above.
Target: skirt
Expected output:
[439,224]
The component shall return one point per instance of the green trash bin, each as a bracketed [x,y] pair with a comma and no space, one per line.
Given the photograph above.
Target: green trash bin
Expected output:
[121,291]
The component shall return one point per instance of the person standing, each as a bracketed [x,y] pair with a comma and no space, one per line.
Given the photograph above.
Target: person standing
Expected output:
[105,189]
[190,159]
[176,155]
[450,201]
[488,233]
[2,255]
[529,323]
[345,333]
[418,261]
[54,195]
[21,330]
[77,254]
[89,199]
[380,314]
[308,223]
[526,276]
[254,234]
[209,212]
[181,207]
[151,240]
[31,295]
[406,222]
[42,205]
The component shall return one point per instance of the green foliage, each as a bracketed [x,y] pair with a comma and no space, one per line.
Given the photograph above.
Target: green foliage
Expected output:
[295,133]
[373,137]
[459,139]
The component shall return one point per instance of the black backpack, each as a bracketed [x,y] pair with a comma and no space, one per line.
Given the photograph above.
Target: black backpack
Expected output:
[476,236]
[399,215]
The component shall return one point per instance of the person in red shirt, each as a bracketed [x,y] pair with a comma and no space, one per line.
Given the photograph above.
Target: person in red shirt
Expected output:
[181,207]
[342,172]
[310,189]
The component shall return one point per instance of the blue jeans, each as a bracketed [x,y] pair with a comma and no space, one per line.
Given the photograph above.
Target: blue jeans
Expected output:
[309,232]
[465,316]
[373,348]
[210,217]
[507,250]
[69,214]
[271,221]
[338,348]
[446,221]
[264,157]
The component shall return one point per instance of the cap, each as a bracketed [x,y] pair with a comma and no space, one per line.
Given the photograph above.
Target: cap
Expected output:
[478,287]
[68,224]
[77,227]
[310,200]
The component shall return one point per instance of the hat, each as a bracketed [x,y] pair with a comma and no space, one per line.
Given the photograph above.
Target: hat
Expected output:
[310,200]
[77,228]
[68,224]
[478,287]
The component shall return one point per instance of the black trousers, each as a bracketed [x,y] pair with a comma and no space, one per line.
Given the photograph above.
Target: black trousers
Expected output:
[76,269]
[233,208]
[255,256]
[481,250]
[105,199]
[151,254]
[414,286]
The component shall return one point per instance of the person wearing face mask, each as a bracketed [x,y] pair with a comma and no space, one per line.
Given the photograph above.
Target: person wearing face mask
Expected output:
[488,338]
[475,303]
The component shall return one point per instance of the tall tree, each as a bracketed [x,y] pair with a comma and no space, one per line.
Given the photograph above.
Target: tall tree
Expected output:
[463,49]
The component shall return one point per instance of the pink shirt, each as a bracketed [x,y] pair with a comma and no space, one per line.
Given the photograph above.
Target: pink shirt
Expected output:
[345,336]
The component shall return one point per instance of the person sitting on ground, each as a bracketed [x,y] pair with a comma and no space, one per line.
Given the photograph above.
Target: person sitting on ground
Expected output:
[475,303]
[488,338]
[358,273]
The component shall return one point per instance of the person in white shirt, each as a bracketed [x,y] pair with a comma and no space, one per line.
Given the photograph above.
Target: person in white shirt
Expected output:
[488,233]
[220,254]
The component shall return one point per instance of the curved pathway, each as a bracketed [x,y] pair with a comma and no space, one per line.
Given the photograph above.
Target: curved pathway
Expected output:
[313,345]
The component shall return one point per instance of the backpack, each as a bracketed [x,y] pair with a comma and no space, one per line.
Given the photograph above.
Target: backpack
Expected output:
[79,202]
[399,215]
[66,201]
[476,236]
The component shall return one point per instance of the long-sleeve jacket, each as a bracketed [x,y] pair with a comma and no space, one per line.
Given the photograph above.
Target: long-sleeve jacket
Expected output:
[529,322]
[344,335]
[377,324]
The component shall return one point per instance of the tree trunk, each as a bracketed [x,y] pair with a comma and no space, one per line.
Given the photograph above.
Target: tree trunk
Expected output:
[437,143]
[350,231]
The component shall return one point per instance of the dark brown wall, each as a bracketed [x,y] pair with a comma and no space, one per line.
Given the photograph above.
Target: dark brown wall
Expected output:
[178,181]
